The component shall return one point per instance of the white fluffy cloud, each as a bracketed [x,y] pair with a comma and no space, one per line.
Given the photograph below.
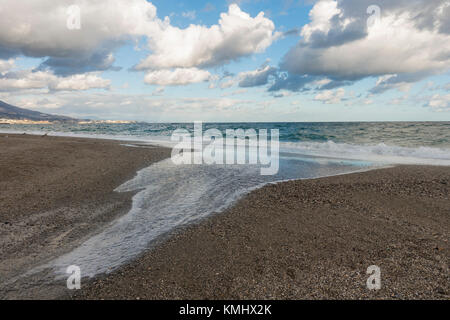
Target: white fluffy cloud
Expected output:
[237,35]
[38,28]
[22,80]
[178,76]
[185,51]
[439,103]
[392,46]
[408,42]
[330,96]
[321,15]
[79,82]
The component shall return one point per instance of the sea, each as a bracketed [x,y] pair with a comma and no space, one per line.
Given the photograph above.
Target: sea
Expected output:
[169,196]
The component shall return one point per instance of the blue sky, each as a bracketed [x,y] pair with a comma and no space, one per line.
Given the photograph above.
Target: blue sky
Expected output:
[300,61]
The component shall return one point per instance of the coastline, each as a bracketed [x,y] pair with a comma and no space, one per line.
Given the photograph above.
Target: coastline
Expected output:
[305,239]
[291,240]
[57,192]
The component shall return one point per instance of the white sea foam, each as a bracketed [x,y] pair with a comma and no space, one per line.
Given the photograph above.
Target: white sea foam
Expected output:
[377,153]
[382,153]
[170,196]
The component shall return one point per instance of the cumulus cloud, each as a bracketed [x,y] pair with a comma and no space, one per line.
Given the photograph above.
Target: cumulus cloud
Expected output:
[178,76]
[38,28]
[224,81]
[257,77]
[79,82]
[409,41]
[330,96]
[22,80]
[237,35]
[439,103]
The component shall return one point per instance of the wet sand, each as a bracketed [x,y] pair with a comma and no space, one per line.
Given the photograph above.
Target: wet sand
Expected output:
[311,239]
[55,192]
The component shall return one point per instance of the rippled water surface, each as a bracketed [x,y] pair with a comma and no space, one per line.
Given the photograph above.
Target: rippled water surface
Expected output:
[403,134]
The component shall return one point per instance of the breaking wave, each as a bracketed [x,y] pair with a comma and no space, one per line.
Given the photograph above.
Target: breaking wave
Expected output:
[379,152]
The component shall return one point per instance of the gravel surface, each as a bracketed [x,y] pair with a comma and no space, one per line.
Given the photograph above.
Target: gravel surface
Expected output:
[55,192]
[311,239]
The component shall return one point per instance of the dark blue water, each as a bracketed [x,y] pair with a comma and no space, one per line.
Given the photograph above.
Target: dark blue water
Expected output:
[404,134]
[389,142]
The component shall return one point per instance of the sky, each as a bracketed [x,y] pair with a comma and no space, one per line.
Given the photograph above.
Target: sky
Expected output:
[228,61]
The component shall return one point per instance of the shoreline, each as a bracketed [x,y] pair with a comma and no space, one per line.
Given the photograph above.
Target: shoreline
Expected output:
[101,137]
[56,192]
[167,252]
[237,254]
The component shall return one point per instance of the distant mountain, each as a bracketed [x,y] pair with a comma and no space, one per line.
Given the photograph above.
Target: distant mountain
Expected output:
[8,111]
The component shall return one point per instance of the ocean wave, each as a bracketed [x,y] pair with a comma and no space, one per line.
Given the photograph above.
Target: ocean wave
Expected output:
[381,152]
[378,152]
